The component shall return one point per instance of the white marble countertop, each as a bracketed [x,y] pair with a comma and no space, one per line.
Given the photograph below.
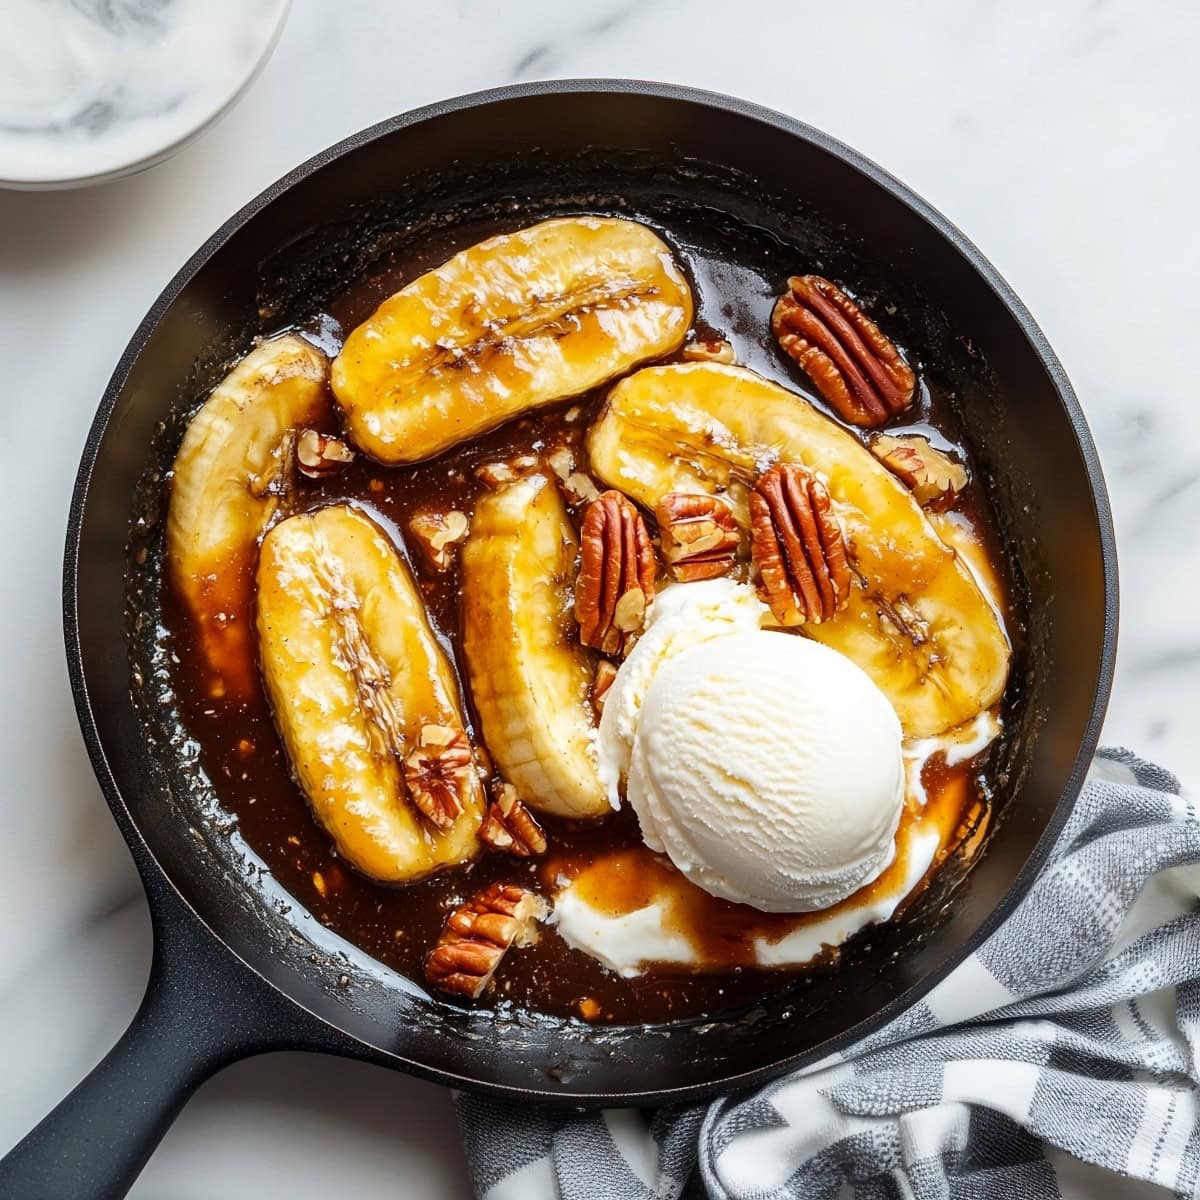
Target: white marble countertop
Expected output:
[1060,137]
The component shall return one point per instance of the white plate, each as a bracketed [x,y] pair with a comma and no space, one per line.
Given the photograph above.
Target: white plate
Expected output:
[94,89]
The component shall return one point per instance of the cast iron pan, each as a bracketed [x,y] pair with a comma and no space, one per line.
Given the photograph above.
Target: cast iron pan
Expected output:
[233,974]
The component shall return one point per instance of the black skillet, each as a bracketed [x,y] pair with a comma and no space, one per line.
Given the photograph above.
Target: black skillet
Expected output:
[233,975]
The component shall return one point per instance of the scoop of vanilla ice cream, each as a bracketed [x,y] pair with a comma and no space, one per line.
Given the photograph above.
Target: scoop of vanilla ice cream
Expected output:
[766,766]
[683,615]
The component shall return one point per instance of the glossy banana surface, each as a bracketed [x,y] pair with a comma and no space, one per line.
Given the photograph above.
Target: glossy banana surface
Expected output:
[228,482]
[355,674]
[517,321]
[917,622]
[530,677]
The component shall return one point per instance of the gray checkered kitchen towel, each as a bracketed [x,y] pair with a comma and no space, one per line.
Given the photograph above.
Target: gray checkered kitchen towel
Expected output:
[1065,1049]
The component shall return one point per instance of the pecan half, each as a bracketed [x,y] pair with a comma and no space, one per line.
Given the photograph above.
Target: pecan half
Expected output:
[510,826]
[436,772]
[320,454]
[477,935]
[616,574]
[716,350]
[438,534]
[934,478]
[700,535]
[798,547]
[855,366]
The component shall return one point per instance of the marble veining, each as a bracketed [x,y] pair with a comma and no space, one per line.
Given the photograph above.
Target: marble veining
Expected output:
[89,86]
[1061,138]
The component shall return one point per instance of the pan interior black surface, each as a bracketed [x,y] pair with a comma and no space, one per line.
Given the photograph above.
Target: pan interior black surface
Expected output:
[777,201]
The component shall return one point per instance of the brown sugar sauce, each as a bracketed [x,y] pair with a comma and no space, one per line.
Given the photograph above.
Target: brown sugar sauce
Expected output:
[722,934]
[241,753]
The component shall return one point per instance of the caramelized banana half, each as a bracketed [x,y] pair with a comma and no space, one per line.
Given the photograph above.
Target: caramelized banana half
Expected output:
[917,621]
[530,677]
[357,680]
[515,322]
[229,479]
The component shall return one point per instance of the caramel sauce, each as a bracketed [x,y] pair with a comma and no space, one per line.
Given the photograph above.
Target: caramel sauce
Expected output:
[225,627]
[241,753]
[722,934]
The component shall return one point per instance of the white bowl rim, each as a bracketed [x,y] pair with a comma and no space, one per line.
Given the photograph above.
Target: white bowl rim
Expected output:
[221,104]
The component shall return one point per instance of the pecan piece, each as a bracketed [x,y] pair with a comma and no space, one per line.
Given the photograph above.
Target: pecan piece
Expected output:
[510,826]
[477,935]
[797,545]
[576,485]
[320,454]
[497,474]
[934,478]
[855,366]
[716,350]
[436,772]
[616,574]
[700,535]
[438,534]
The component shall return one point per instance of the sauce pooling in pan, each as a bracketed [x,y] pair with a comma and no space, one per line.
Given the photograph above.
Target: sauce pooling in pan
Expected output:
[720,948]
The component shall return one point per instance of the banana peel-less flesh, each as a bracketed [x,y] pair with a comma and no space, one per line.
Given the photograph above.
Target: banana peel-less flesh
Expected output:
[530,677]
[917,621]
[515,322]
[228,483]
[354,672]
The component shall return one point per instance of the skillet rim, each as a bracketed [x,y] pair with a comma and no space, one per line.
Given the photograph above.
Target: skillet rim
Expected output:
[152,871]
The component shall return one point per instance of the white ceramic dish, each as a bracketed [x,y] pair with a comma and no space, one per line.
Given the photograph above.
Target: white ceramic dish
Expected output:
[94,89]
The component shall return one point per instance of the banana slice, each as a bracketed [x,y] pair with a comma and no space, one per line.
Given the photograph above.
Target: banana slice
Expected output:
[358,681]
[515,322]
[229,478]
[529,675]
[917,622]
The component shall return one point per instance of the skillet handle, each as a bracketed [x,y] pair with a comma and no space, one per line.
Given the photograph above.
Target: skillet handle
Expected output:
[202,1010]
